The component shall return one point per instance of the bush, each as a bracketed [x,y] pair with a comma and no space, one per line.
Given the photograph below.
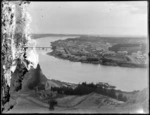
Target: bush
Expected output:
[52,103]
[122,98]
[112,93]
[84,88]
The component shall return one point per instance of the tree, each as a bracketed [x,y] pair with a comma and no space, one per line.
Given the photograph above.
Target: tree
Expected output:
[112,93]
[84,83]
[122,98]
[52,103]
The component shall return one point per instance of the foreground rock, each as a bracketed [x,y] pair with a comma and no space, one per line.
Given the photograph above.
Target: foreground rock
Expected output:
[25,82]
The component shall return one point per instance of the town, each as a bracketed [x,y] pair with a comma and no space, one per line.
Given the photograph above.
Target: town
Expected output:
[97,51]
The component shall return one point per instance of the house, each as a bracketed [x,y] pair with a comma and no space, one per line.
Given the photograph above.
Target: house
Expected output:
[122,52]
[109,53]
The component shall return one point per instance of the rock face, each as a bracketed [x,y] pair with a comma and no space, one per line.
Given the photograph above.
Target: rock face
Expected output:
[14,37]
[17,77]
[24,80]
[6,54]
[32,79]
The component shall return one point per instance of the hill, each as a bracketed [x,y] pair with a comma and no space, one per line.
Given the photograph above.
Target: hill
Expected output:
[91,103]
[57,83]
[27,99]
[36,36]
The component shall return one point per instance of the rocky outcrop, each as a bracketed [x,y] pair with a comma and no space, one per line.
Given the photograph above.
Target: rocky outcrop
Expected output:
[14,37]
[34,78]
[17,77]
[6,54]
[24,80]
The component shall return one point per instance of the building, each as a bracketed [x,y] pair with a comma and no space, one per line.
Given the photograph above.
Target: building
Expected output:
[109,53]
[122,52]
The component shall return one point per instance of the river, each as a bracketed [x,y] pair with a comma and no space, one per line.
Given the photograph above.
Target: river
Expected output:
[127,79]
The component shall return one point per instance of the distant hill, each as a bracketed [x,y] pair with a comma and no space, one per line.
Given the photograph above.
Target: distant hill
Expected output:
[36,36]
[102,37]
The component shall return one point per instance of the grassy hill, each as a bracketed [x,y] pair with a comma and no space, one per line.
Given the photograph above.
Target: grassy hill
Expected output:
[27,100]
[91,103]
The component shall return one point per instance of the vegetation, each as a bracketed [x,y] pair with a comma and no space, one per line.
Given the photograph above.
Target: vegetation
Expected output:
[131,48]
[52,103]
[87,88]
[121,97]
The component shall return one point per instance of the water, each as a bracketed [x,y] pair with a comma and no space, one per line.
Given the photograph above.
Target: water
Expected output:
[127,79]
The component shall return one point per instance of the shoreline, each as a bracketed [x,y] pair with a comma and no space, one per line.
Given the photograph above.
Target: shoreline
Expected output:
[127,65]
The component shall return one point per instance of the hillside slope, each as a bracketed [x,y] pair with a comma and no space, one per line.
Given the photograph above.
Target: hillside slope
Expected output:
[57,83]
[91,103]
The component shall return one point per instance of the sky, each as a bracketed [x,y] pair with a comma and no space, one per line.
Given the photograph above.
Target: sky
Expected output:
[101,18]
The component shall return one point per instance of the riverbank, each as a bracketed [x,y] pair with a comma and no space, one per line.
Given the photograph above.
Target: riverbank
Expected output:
[105,63]
[96,51]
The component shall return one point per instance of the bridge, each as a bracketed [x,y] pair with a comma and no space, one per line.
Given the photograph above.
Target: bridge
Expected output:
[38,48]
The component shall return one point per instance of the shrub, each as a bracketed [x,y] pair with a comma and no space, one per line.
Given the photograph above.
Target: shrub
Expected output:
[86,88]
[52,103]
[122,98]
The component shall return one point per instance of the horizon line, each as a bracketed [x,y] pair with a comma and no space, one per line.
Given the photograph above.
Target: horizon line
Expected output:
[107,35]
